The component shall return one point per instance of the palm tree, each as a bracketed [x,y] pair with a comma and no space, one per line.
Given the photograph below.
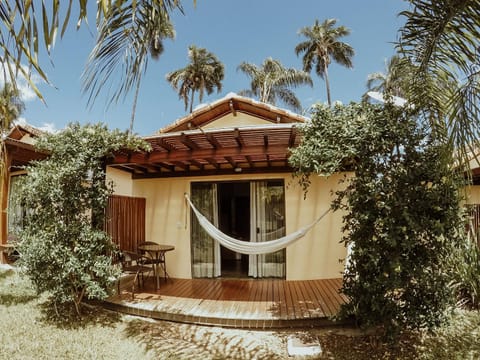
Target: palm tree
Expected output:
[442,39]
[125,40]
[396,79]
[204,73]
[28,29]
[272,81]
[11,106]
[323,45]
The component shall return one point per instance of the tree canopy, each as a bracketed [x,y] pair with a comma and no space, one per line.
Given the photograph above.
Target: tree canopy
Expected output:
[402,210]
[271,81]
[28,29]
[126,38]
[441,38]
[321,46]
[203,74]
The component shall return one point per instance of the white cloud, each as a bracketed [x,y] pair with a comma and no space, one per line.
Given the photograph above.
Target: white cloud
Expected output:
[47,127]
[21,121]
[27,93]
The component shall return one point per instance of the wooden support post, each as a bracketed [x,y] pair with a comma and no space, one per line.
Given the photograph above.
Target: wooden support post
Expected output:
[4,203]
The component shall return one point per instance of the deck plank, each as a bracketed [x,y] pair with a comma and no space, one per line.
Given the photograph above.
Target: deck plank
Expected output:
[301,306]
[290,295]
[317,300]
[329,297]
[282,300]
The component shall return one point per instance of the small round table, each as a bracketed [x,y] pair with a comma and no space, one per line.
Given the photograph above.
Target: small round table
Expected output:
[157,254]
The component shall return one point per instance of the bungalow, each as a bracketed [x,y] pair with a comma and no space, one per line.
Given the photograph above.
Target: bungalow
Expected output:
[231,160]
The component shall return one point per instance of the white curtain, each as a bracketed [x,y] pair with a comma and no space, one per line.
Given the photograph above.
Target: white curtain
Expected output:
[205,250]
[267,223]
[15,212]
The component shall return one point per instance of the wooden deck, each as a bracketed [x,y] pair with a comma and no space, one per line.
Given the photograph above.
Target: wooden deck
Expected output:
[243,303]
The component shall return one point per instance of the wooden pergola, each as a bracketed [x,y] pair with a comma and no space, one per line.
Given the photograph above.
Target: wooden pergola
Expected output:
[189,147]
[212,152]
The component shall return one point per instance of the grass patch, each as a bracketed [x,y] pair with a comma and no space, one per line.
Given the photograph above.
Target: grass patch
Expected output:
[28,331]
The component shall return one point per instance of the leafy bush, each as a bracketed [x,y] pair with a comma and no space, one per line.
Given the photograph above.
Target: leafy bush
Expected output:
[403,217]
[63,247]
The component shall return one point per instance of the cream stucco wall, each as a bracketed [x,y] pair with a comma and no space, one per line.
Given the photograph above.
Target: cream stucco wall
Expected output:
[473,194]
[315,256]
[241,119]
[122,181]
[27,138]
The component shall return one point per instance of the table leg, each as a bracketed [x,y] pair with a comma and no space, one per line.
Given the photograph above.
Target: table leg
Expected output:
[157,274]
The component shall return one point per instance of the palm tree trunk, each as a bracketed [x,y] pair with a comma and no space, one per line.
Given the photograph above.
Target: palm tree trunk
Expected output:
[134,106]
[191,100]
[327,84]
[264,92]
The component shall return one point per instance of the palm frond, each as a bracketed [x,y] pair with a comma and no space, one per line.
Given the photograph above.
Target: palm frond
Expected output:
[442,38]
[126,38]
[289,98]
[323,44]
[29,28]
[271,81]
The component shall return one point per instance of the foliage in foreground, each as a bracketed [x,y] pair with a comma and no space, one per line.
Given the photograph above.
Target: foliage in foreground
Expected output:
[64,250]
[403,216]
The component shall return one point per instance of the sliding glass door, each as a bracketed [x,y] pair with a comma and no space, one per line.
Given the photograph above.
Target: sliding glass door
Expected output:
[204,250]
[268,223]
[263,219]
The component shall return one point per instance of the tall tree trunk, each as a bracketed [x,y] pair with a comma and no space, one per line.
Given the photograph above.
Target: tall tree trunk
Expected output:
[191,100]
[134,106]
[327,84]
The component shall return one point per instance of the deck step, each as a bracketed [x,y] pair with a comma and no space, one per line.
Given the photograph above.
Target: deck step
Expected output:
[255,304]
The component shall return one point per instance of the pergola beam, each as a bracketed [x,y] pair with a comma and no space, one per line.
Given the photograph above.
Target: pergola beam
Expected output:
[183,155]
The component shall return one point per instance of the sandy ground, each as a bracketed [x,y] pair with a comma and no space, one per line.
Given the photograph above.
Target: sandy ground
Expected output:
[167,340]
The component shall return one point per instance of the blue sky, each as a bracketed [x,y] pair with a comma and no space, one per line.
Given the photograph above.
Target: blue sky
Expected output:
[235,31]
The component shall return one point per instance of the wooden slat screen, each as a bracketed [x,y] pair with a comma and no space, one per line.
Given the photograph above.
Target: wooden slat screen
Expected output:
[473,225]
[125,221]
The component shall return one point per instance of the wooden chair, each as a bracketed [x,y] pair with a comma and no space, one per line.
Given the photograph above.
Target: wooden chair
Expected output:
[134,264]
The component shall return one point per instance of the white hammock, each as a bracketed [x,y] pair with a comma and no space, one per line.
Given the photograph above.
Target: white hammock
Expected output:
[246,247]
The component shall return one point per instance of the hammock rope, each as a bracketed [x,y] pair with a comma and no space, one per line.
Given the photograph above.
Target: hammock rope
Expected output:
[246,247]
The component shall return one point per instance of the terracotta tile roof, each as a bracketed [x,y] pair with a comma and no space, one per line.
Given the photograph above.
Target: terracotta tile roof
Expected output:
[232,103]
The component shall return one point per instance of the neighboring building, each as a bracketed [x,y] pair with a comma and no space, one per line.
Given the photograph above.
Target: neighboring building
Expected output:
[19,151]
[231,157]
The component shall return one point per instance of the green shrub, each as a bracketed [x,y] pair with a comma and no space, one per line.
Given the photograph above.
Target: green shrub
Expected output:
[63,247]
[403,217]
